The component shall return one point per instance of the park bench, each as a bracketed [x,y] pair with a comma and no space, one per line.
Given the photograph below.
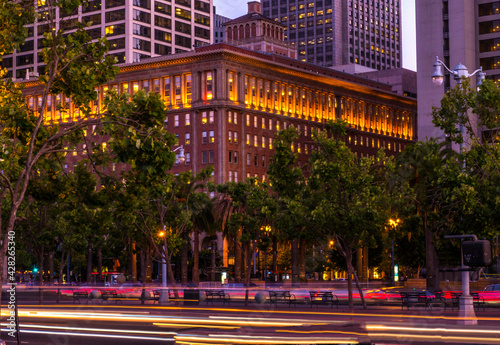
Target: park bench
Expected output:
[276,297]
[157,293]
[107,294]
[217,296]
[323,297]
[478,301]
[77,295]
[413,299]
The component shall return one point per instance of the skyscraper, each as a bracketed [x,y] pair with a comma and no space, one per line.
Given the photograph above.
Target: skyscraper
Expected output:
[460,31]
[136,29]
[339,32]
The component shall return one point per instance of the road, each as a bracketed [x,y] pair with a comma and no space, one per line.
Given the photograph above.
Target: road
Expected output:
[152,324]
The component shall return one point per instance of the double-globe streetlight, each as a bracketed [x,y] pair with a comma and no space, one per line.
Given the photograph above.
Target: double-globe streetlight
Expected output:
[466,310]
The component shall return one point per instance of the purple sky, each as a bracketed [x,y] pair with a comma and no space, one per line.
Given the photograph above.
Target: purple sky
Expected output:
[236,8]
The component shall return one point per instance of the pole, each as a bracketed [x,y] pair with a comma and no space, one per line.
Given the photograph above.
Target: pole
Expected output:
[163,270]
[67,275]
[498,259]
[392,255]
[265,269]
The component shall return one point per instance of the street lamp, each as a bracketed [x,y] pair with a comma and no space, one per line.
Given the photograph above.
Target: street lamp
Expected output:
[181,158]
[458,73]
[394,224]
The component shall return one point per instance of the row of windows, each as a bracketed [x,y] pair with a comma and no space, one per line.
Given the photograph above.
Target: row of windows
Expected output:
[206,117]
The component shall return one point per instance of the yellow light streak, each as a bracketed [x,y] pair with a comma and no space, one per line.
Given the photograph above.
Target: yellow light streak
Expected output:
[261,340]
[442,338]
[187,325]
[127,331]
[422,329]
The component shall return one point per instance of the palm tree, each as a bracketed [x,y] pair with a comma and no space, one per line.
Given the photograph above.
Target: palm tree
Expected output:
[420,164]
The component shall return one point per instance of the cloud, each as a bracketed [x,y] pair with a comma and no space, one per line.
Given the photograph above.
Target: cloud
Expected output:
[231,8]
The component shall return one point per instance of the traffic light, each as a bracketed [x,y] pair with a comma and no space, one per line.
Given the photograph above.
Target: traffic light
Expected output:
[477,253]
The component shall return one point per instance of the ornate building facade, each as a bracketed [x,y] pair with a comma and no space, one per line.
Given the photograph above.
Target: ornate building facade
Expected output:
[226,103]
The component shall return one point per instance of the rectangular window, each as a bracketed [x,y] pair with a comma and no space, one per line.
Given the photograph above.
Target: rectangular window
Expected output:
[277,125]
[187,85]
[211,156]
[256,160]
[270,143]
[212,136]
[248,158]
[255,121]
[230,157]
[248,120]
[209,85]
[204,157]
[248,139]
[231,87]
[204,117]
[211,118]
[188,120]
[230,136]
[204,138]
[263,142]
[178,90]
[235,137]
[188,138]
[176,121]
[166,90]
[235,118]
[230,176]
[235,157]
[156,85]
[263,158]
[235,176]
[229,117]
[255,141]
[270,124]
[188,158]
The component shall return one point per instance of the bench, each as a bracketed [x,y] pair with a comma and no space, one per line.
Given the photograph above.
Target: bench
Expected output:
[217,296]
[77,295]
[107,294]
[412,299]
[323,297]
[157,293]
[276,297]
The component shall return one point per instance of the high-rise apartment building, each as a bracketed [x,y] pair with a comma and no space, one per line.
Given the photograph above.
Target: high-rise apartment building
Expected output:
[339,32]
[459,31]
[219,29]
[135,29]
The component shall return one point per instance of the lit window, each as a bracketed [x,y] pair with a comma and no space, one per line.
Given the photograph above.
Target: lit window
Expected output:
[188,138]
[230,136]
[211,117]
[176,121]
[229,117]
[271,143]
[209,86]
[204,117]
[235,137]
[248,139]
[204,137]
[212,136]
[255,141]
[188,119]
[248,120]
[255,121]
[263,142]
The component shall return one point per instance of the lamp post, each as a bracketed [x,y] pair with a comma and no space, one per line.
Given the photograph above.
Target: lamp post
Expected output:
[181,158]
[267,230]
[466,310]
[458,73]
[394,224]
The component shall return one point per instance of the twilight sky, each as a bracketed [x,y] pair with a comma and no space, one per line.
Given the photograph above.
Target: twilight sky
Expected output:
[236,8]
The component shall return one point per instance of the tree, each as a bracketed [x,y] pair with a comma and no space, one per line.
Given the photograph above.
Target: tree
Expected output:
[352,202]
[422,165]
[75,65]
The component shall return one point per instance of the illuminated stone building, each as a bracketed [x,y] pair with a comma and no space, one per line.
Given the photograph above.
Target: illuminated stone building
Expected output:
[226,103]
[135,29]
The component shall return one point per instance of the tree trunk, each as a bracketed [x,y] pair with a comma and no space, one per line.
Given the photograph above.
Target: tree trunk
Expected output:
[302,259]
[237,258]
[149,265]
[170,273]
[40,275]
[143,265]
[275,259]
[429,255]
[213,247]
[61,273]
[196,257]
[134,263]
[89,263]
[184,258]
[350,270]
[51,268]
[295,262]
[250,251]
[360,290]
[99,260]
[130,260]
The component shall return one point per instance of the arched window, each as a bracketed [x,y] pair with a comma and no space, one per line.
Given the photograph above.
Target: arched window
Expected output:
[247,31]
[241,32]
[254,30]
